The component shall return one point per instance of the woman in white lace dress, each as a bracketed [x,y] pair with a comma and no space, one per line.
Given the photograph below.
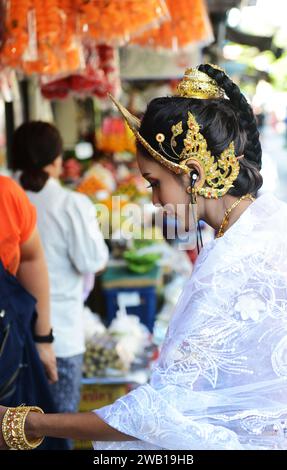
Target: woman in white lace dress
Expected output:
[221,379]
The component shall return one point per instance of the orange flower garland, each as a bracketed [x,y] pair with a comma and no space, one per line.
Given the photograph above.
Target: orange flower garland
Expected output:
[115,21]
[68,15]
[46,36]
[189,23]
[16,32]
[39,36]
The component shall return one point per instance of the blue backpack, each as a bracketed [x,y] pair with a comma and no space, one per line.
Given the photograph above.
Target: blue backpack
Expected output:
[22,374]
[16,311]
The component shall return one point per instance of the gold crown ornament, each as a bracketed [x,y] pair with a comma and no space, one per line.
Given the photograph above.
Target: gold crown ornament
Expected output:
[197,84]
[218,174]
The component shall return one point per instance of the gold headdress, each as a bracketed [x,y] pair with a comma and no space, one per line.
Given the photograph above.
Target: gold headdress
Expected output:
[218,175]
[196,84]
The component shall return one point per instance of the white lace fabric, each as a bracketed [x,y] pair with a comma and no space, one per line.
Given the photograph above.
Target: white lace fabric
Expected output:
[221,379]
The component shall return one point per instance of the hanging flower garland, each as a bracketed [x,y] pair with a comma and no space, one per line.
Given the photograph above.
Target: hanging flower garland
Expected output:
[46,36]
[16,31]
[189,23]
[114,22]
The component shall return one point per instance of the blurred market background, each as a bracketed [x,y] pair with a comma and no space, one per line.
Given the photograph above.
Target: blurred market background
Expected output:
[58,61]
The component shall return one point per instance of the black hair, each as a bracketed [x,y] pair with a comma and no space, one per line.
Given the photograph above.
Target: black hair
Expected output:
[221,122]
[35,144]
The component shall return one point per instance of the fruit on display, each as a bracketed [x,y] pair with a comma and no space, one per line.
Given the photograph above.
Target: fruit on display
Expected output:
[112,205]
[115,136]
[91,185]
[132,186]
[128,189]
[125,345]
[104,174]
[97,178]
[103,357]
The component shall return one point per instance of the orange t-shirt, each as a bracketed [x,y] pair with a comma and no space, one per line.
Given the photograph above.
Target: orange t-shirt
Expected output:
[17,222]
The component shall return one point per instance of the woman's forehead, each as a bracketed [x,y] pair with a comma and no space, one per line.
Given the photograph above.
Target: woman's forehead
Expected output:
[147,165]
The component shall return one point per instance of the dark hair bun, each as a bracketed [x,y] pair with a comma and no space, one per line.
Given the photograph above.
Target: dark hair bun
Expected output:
[34,180]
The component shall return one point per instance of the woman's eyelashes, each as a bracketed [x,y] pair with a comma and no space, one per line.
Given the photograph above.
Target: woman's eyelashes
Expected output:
[153,184]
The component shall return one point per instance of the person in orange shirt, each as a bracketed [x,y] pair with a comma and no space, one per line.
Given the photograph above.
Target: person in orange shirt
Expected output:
[22,255]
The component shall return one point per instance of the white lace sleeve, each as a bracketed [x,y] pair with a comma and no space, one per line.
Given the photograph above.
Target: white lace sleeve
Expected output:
[148,415]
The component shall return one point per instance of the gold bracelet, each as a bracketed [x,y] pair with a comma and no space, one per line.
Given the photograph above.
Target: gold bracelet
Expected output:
[13,428]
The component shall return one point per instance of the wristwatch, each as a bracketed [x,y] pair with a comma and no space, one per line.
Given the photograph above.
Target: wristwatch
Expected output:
[44,339]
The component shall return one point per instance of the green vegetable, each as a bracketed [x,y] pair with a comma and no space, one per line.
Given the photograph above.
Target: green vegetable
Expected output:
[141,268]
[140,263]
[140,243]
[134,257]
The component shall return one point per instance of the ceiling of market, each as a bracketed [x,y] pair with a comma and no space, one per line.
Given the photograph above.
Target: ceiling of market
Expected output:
[216,6]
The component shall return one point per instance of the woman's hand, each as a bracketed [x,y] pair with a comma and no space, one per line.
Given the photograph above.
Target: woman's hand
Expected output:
[3,445]
[48,358]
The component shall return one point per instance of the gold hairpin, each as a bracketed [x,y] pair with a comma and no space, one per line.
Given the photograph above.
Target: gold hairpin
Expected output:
[176,131]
